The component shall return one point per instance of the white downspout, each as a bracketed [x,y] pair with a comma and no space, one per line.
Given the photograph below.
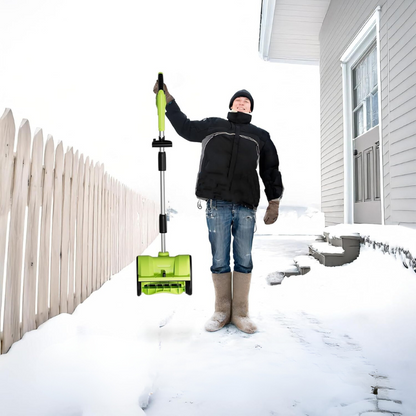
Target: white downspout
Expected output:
[380,118]
[267,18]
[348,155]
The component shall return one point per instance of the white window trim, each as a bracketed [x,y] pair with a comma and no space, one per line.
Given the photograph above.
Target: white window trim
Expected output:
[349,58]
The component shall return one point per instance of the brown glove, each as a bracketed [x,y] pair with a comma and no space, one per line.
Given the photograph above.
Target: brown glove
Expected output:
[169,98]
[272,212]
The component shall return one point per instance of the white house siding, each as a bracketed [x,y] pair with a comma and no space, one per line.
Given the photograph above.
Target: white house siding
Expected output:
[342,22]
[398,80]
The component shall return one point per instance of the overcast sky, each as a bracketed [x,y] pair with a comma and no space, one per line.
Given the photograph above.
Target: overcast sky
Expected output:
[83,71]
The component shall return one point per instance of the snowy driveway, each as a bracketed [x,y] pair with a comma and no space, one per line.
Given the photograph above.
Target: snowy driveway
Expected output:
[324,345]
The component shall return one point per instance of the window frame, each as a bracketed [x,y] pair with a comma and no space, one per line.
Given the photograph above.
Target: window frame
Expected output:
[366,124]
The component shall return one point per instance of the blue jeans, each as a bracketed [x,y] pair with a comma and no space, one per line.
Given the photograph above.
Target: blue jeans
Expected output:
[225,219]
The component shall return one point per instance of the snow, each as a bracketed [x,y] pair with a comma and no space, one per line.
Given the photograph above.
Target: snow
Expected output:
[327,248]
[326,339]
[393,235]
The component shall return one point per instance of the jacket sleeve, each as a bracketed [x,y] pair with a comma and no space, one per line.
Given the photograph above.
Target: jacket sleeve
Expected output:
[194,131]
[269,170]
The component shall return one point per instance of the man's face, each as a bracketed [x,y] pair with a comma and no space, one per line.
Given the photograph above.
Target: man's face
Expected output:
[241,104]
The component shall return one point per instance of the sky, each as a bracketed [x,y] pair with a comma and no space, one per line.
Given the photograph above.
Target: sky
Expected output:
[84,71]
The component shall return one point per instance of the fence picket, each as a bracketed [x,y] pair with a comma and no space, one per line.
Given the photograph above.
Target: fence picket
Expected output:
[123,225]
[105,228]
[79,233]
[45,232]
[99,225]
[95,219]
[144,223]
[63,303]
[32,235]
[110,231]
[56,232]
[132,222]
[7,135]
[113,226]
[72,218]
[139,224]
[85,229]
[130,230]
[117,225]
[90,228]
[11,331]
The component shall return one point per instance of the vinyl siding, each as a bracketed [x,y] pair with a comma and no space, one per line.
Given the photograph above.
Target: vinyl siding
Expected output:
[343,21]
[398,78]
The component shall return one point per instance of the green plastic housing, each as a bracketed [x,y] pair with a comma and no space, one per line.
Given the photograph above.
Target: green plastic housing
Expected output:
[161,106]
[163,274]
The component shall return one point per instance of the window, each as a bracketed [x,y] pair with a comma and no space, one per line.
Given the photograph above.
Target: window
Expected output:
[365,92]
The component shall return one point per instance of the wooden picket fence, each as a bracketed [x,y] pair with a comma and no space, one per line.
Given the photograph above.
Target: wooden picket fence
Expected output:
[66,227]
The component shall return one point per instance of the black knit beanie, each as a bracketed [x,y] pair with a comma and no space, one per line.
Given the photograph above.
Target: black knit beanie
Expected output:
[242,93]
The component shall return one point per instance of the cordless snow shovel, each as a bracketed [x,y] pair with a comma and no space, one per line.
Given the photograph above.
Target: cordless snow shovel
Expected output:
[163,274]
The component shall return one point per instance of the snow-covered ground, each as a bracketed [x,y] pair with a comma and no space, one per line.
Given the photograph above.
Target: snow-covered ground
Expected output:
[327,341]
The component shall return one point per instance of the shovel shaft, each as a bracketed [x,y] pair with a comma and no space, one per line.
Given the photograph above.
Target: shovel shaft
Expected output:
[163,229]
[161,107]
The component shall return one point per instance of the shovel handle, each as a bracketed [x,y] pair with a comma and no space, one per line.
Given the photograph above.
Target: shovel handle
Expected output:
[160,80]
[161,104]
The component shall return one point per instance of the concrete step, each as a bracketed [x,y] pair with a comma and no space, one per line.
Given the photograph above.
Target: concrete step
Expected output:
[336,250]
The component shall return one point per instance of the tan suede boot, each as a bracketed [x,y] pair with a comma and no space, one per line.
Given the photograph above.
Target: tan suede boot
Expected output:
[222,314]
[239,315]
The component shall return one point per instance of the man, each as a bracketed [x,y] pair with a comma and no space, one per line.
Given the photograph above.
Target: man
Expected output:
[227,179]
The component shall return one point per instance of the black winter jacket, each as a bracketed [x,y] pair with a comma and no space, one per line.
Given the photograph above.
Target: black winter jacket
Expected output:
[231,151]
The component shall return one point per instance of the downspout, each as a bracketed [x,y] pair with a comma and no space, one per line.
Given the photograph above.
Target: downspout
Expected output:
[266,26]
[380,118]
[348,150]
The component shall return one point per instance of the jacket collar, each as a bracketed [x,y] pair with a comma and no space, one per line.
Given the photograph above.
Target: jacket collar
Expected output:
[239,117]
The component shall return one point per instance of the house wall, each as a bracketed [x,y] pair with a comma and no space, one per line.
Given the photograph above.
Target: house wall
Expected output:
[343,21]
[398,87]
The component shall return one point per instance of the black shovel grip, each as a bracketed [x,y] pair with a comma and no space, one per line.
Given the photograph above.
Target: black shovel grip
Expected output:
[160,81]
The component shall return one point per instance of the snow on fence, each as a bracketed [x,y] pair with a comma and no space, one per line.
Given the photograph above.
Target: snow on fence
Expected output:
[66,226]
